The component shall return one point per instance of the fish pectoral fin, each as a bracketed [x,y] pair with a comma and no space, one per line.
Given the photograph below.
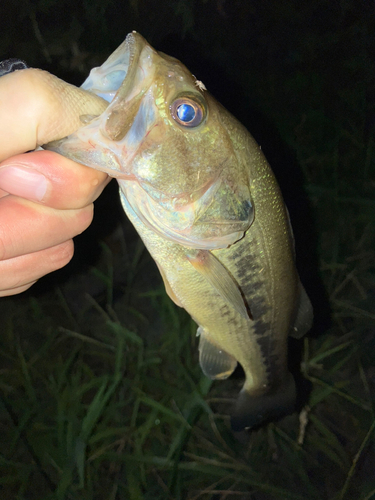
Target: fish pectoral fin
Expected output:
[304,318]
[168,287]
[219,277]
[216,363]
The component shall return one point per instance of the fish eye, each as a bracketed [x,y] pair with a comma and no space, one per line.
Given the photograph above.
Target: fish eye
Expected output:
[188,111]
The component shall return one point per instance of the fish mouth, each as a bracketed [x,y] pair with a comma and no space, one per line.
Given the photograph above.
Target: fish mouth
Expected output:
[117,71]
[122,80]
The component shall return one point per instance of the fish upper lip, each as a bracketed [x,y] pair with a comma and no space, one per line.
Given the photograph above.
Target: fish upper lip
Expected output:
[134,43]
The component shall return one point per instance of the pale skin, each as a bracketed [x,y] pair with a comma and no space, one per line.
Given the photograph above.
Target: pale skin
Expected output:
[45,199]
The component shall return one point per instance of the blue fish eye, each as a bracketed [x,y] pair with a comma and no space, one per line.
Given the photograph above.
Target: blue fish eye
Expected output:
[188,111]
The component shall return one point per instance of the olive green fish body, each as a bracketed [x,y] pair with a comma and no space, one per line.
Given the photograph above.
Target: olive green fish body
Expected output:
[203,198]
[262,265]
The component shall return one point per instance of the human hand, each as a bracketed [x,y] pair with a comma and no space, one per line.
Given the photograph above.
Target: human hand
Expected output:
[45,199]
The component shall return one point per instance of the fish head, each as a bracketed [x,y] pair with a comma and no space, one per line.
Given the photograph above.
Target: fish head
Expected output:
[163,138]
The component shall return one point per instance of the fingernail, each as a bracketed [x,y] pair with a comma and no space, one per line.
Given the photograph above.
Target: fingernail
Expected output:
[23,182]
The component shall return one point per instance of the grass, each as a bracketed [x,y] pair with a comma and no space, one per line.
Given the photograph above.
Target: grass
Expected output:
[104,399]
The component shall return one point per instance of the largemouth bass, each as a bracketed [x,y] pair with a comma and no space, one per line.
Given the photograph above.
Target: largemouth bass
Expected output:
[204,200]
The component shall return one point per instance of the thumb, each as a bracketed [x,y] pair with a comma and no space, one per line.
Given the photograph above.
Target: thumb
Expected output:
[37,107]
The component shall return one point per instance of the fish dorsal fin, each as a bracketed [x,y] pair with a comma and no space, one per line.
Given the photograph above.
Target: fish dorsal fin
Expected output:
[219,277]
[215,363]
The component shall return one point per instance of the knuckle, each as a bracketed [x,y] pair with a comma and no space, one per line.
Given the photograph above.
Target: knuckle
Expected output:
[62,254]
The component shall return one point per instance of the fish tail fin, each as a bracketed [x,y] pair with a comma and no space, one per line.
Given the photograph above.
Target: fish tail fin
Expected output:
[252,410]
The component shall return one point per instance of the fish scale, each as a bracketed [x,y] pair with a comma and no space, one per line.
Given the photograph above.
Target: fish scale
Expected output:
[207,306]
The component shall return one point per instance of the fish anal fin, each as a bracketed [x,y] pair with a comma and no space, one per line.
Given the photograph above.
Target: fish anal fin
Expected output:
[168,287]
[219,277]
[216,363]
[304,317]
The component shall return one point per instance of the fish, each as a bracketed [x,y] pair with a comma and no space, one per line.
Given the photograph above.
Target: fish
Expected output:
[204,200]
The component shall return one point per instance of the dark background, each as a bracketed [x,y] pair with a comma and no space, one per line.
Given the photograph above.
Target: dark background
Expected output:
[300,77]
